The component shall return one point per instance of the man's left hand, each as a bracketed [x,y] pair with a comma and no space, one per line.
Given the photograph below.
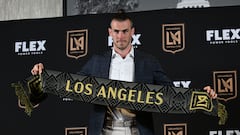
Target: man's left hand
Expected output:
[210,92]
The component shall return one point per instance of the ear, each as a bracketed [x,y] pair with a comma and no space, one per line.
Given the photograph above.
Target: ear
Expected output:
[132,31]
[110,31]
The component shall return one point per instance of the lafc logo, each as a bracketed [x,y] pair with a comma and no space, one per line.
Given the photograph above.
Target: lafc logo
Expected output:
[225,84]
[76,131]
[175,129]
[173,37]
[201,100]
[77,43]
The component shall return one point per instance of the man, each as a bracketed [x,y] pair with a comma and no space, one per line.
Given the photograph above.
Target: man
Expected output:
[123,63]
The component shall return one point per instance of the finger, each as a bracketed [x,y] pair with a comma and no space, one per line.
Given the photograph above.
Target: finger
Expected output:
[207,88]
[37,69]
[214,96]
[34,70]
[212,93]
[40,67]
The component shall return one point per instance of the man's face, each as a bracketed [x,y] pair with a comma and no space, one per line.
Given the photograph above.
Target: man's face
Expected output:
[121,33]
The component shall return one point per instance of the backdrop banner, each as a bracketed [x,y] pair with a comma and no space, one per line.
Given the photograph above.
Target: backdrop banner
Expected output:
[113,93]
[196,47]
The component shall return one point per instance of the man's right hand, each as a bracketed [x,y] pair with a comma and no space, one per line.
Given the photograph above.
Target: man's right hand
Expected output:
[37,69]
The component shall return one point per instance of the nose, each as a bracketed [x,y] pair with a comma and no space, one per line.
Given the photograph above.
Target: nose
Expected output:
[120,34]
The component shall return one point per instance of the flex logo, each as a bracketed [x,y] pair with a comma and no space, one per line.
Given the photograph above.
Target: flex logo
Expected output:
[175,129]
[201,100]
[77,43]
[135,40]
[173,37]
[183,84]
[226,132]
[225,84]
[76,131]
[30,47]
[224,34]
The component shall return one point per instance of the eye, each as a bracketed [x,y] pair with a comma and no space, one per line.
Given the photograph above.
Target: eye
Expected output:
[125,31]
[116,31]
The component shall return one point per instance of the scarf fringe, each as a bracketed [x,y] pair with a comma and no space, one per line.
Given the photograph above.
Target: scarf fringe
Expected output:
[222,114]
[23,97]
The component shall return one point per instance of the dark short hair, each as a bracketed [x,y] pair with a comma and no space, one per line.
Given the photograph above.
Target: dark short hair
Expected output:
[121,15]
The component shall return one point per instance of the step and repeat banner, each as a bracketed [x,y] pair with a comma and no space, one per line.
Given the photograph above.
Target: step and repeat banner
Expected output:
[196,47]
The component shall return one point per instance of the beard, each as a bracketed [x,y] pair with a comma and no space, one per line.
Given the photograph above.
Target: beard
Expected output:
[122,44]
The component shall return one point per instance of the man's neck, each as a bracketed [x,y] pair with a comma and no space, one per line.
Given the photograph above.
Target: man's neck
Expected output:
[123,53]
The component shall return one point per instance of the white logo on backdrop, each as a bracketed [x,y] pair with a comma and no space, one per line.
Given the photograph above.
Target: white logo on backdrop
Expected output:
[30,47]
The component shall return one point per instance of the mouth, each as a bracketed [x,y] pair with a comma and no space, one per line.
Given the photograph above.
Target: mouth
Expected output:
[121,41]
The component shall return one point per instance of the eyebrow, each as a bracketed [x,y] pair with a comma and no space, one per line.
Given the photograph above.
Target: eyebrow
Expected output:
[125,30]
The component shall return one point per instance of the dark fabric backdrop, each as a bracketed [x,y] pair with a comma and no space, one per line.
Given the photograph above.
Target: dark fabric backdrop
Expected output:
[196,61]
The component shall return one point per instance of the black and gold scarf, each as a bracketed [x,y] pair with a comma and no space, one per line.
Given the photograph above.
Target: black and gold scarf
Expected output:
[134,96]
